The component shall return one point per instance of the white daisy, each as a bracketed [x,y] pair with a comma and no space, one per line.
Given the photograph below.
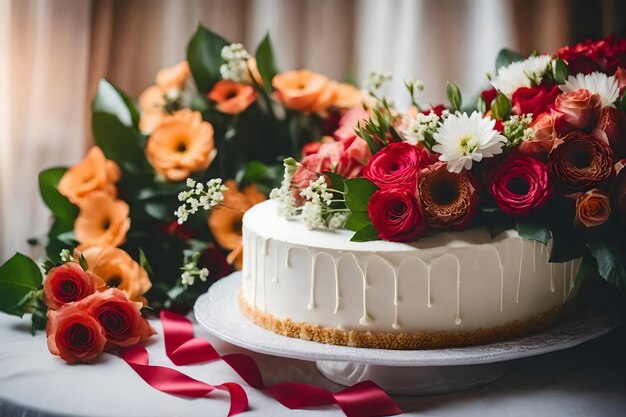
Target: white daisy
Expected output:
[462,139]
[521,74]
[597,83]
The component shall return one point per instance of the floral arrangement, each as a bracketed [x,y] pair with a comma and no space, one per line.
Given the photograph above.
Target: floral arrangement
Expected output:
[540,151]
[222,112]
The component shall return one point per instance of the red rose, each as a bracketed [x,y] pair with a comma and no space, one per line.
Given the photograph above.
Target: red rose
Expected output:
[447,199]
[544,137]
[613,123]
[67,283]
[74,335]
[534,100]
[488,96]
[605,55]
[576,110]
[520,185]
[397,164]
[119,317]
[438,110]
[579,162]
[395,214]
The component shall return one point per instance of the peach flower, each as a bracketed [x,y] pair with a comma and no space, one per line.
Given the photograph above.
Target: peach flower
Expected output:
[101,221]
[93,173]
[173,77]
[544,137]
[225,222]
[299,90]
[347,96]
[253,69]
[74,335]
[151,103]
[593,208]
[119,270]
[119,317]
[181,144]
[68,283]
[231,97]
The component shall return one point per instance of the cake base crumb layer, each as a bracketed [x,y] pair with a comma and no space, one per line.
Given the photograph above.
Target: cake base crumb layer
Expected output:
[398,341]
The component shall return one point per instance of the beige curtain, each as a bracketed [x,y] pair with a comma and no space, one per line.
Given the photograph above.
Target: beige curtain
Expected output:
[52,52]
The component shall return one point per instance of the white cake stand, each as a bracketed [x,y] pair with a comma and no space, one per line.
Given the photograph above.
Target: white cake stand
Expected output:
[408,372]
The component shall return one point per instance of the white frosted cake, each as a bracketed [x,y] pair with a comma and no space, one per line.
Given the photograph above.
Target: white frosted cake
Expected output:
[451,289]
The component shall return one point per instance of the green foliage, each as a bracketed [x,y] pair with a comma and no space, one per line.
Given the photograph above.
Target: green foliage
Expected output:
[611,261]
[481,106]
[58,204]
[365,234]
[358,220]
[256,172]
[111,100]
[204,57]
[119,142]
[454,96]
[559,71]
[501,107]
[506,57]
[337,181]
[533,228]
[20,279]
[358,193]
[265,62]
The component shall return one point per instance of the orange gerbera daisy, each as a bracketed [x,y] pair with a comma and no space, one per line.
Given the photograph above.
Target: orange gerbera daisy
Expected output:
[180,144]
[347,96]
[173,77]
[102,221]
[119,270]
[93,173]
[232,97]
[151,103]
[299,90]
[225,222]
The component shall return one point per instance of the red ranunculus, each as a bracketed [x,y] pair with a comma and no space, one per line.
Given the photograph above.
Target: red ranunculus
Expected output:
[520,185]
[604,55]
[67,283]
[613,123]
[579,162]
[74,335]
[395,214]
[534,100]
[576,110]
[397,164]
[119,317]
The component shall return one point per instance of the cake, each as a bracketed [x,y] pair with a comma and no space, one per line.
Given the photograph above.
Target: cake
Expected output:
[449,289]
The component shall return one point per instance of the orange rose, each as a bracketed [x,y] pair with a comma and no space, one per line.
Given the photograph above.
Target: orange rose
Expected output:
[93,173]
[101,221]
[119,270]
[173,77]
[225,222]
[299,90]
[593,208]
[151,103]
[180,144]
[232,97]
[579,109]
[74,335]
[68,283]
[544,137]
[119,317]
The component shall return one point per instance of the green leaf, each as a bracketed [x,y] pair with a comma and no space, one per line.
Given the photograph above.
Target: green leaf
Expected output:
[611,262]
[59,238]
[587,268]
[560,71]
[481,106]
[204,54]
[18,277]
[265,61]
[39,320]
[159,210]
[506,57]
[336,180]
[118,141]
[57,203]
[358,193]
[533,229]
[454,96]
[567,244]
[113,101]
[143,262]
[358,220]
[501,107]
[365,234]
[82,261]
[255,172]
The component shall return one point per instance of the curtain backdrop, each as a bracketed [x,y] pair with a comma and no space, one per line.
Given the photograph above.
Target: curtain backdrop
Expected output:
[52,52]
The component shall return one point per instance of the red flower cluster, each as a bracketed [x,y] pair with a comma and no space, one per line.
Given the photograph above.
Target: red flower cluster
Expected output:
[84,321]
[605,55]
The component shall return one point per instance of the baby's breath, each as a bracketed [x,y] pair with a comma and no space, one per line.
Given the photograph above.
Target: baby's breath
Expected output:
[199,196]
[517,129]
[190,270]
[235,66]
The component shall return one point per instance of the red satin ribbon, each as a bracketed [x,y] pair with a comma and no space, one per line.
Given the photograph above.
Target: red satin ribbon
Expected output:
[365,399]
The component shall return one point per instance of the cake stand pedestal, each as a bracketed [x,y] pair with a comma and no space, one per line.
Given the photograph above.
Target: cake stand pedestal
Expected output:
[405,372]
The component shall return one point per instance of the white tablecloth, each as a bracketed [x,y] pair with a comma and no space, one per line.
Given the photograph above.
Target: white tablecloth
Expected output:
[589,380]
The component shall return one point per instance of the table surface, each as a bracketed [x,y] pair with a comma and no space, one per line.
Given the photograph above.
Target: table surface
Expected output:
[588,380]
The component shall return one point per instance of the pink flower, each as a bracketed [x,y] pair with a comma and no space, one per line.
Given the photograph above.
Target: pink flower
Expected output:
[397,164]
[576,110]
[520,185]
